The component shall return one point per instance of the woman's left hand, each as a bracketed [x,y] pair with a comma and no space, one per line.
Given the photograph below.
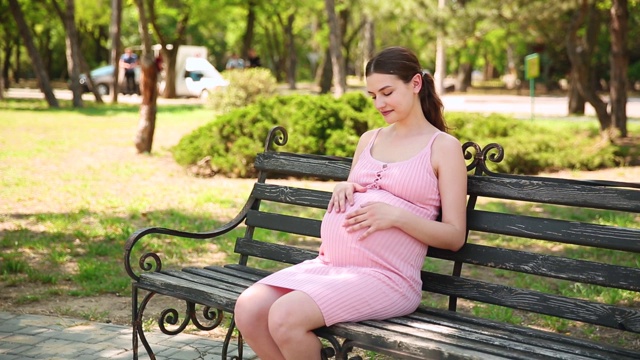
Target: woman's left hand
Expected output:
[372,216]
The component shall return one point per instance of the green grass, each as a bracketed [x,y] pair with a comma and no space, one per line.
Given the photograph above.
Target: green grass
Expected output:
[74,189]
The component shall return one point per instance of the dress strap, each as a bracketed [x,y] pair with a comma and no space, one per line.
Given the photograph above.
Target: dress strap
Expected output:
[373,138]
[433,138]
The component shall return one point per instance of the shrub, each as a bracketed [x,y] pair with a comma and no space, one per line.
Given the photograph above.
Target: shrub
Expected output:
[245,87]
[321,124]
[531,148]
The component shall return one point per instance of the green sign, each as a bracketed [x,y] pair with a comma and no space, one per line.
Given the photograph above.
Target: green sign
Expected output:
[532,66]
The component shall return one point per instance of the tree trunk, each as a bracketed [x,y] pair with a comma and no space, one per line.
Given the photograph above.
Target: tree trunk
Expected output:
[369,41]
[82,65]
[36,60]
[292,59]
[148,87]
[441,60]
[335,46]
[619,65]
[325,73]
[577,102]
[247,39]
[170,58]
[5,66]
[114,35]
[580,53]
[463,81]
[1,86]
[73,52]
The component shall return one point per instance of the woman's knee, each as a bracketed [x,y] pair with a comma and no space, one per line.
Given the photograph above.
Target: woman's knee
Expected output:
[253,304]
[250,309]
[293,315]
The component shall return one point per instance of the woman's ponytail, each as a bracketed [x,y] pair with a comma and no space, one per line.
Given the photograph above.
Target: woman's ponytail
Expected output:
[432,107]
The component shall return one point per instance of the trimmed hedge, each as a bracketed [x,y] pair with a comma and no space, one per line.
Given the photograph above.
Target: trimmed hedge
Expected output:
[321,124]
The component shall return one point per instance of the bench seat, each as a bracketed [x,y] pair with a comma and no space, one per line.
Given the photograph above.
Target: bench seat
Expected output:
[426,334]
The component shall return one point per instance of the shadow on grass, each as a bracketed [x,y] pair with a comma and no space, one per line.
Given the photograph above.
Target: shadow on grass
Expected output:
[82,252]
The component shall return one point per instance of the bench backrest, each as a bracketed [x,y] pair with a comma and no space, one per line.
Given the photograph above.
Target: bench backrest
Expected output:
[514,227]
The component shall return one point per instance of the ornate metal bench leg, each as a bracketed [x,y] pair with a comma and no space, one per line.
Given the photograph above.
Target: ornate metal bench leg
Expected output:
[138,331]
[227,341]
[134,317]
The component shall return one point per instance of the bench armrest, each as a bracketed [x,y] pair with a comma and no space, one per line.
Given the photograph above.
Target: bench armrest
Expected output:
[151,261]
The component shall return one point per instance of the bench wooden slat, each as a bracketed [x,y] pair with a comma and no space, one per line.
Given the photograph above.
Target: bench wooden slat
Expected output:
[291,195]
[163,283]
[568,308]
[594,235]
[317,166]
[283,253]
[551,192]
[246,272]
[286,223]
[413,347]
[582,271]
[206,281]
[488,342]
[468,323]
[218,276]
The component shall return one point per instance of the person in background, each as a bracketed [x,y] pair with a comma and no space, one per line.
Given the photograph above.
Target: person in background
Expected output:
[378,224]
[235,62]
[129,62]
[254,59]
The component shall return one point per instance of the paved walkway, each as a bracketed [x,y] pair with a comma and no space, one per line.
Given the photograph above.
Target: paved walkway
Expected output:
[24,337]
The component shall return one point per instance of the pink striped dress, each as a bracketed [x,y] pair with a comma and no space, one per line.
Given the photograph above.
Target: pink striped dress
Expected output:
[377,277]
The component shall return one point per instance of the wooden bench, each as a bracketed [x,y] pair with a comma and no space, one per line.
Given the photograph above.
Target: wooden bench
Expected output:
[514,235]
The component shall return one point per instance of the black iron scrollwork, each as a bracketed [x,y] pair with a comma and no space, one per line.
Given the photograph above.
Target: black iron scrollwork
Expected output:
[214,315]
[277,135]
[170,316]
[492,152]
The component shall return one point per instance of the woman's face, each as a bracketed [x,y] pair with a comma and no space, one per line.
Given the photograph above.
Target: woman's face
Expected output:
[392,97]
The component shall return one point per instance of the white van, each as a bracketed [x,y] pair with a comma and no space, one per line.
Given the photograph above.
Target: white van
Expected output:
[200,77]
[195,75]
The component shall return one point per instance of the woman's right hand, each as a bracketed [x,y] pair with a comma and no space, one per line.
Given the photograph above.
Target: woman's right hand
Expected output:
[343,196]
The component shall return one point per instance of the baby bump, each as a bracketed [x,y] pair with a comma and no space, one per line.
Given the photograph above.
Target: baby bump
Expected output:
[382,248]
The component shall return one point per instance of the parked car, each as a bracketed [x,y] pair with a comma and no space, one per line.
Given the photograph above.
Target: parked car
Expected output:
[200,78]
[103,80]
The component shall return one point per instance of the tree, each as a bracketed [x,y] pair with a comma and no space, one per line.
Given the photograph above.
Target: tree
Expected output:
[441,65]
[619,62]
[36,60]
[170,28]
[581,49]
[76,62]
[72,48]
[335,49]
[114,32]
[148,87]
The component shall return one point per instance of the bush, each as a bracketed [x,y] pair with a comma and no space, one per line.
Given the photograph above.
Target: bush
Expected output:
[531,148]
[321,124]
[245,87]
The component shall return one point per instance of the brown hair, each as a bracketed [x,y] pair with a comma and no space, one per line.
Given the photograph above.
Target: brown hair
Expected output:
[404,64]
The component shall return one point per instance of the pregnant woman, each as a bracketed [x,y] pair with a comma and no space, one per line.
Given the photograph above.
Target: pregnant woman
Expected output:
[378,225]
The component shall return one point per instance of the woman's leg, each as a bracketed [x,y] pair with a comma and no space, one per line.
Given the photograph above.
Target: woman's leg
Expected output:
[252,316]
[292,319]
